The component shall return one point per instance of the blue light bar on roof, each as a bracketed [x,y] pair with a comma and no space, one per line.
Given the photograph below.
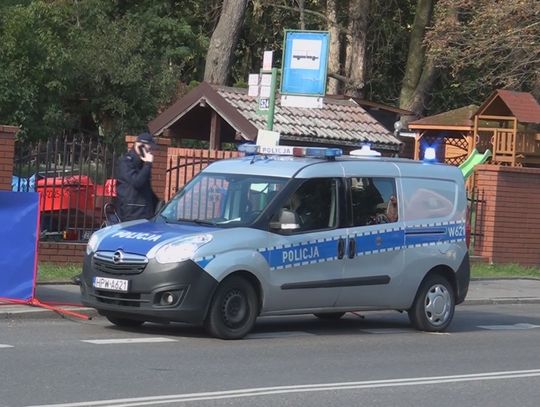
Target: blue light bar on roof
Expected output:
[248,149]
[315,152]
[323,152]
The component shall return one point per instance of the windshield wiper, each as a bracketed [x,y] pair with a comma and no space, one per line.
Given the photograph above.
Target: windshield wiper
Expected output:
[203,222]
[197,221]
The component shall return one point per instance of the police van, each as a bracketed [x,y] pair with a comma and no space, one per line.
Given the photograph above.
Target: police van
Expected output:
[289,230]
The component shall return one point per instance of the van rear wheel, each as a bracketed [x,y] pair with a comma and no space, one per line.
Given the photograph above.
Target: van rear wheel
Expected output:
[433,307]
[233,309]
[329,315]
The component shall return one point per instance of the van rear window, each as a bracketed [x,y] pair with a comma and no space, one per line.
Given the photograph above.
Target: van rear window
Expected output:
[428,199]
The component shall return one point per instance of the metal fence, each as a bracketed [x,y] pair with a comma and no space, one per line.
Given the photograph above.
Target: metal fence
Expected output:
[75,178]
[476,201]
[184,164]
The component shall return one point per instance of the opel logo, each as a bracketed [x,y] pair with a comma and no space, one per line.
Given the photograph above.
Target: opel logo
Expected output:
[117,257]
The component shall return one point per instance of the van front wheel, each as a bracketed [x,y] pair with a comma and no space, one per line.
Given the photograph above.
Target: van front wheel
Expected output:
[433,307]
[233,309]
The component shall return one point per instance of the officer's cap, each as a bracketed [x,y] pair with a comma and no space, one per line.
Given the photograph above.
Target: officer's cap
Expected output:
[146,138]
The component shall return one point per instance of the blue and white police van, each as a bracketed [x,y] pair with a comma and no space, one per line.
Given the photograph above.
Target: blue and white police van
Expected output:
[289,230]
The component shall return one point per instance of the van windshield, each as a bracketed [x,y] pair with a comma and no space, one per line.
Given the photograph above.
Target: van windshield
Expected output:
[222,200]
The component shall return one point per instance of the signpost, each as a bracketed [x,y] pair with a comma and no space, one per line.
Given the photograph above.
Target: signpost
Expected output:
[305,63]
[304,70]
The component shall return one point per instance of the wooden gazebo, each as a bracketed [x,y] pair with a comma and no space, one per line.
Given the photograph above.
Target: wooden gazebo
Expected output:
[508,123]
[451,133]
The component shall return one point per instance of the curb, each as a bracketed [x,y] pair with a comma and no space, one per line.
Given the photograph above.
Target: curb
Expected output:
[495,301]
[18,312]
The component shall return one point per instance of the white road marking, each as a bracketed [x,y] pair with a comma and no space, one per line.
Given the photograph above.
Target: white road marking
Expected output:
[515,327]
[5,346]
[128,340]
[265,335]
[265,391]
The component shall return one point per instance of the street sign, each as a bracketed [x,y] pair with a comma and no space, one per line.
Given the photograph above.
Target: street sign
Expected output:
[267,138]
[264,103]
[305,62]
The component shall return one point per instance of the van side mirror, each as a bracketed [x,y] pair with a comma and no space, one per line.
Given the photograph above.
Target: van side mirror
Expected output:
[288,220]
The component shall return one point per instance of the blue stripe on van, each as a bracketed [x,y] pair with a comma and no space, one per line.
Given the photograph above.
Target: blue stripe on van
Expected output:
[387,240]
[310,252]
[370,242]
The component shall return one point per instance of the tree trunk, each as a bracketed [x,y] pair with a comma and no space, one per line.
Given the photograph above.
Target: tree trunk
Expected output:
[356,46]
[333,57]
[419,73]
[220,54]
[301,7]
[536,87]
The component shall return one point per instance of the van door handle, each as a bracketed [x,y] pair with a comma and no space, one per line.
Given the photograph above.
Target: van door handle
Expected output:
[352,248]
[341,248]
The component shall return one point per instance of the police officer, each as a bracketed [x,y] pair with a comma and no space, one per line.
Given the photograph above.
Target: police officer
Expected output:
[135,197]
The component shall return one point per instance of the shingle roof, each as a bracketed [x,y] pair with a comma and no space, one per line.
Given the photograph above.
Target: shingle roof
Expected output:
[523,105]
[341,122]
[462,117]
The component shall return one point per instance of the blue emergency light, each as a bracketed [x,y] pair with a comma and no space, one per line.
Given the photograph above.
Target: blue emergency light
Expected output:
[430,155]
[314,152]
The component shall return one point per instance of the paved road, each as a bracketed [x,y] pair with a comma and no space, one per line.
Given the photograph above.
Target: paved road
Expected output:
[490,356]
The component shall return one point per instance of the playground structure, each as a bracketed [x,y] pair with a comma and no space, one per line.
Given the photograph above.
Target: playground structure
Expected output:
[467,167]
[507,124]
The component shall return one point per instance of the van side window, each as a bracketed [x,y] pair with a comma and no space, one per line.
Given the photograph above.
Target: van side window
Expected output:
[428,199]
[373,200]
[314,204]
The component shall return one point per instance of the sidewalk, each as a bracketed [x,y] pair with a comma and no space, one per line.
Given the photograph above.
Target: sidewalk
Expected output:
[67,297]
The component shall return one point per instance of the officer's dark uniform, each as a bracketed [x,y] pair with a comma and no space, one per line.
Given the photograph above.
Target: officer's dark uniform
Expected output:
[135,198]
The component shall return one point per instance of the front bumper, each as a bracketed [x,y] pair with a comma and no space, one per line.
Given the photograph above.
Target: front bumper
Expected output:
[191,285]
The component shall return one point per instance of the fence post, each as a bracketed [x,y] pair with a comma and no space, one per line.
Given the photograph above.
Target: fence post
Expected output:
[159,167]
[7,155]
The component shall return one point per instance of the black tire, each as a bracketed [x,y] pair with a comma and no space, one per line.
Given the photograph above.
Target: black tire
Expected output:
[124,322]
[233,310]
[433,307]
[329,315]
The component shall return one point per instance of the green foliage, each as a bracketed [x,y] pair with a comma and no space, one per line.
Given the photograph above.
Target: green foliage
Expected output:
[482,270]
[96,65]
[32,65]
[109,66]
[48,272]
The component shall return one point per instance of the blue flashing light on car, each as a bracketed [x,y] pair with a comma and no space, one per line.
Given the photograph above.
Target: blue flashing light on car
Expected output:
[314,152]
[430,155]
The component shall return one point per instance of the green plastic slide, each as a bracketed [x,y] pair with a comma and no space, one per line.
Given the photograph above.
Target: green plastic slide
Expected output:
[472,161]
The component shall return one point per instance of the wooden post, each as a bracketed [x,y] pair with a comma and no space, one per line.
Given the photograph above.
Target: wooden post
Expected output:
[475,135]
[215,127]
[417,145]
[514,139]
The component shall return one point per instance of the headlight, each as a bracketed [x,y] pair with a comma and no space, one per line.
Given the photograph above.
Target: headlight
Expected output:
[180,250]
[92,244]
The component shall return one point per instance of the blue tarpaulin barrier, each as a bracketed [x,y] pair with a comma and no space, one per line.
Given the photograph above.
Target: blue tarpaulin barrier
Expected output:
[19,220]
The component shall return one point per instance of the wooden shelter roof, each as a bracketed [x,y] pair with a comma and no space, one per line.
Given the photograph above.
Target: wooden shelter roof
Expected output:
[339,122]
[522,105]
[457,119]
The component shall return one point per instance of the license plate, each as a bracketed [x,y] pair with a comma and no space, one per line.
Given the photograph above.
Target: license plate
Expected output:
[112,284]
